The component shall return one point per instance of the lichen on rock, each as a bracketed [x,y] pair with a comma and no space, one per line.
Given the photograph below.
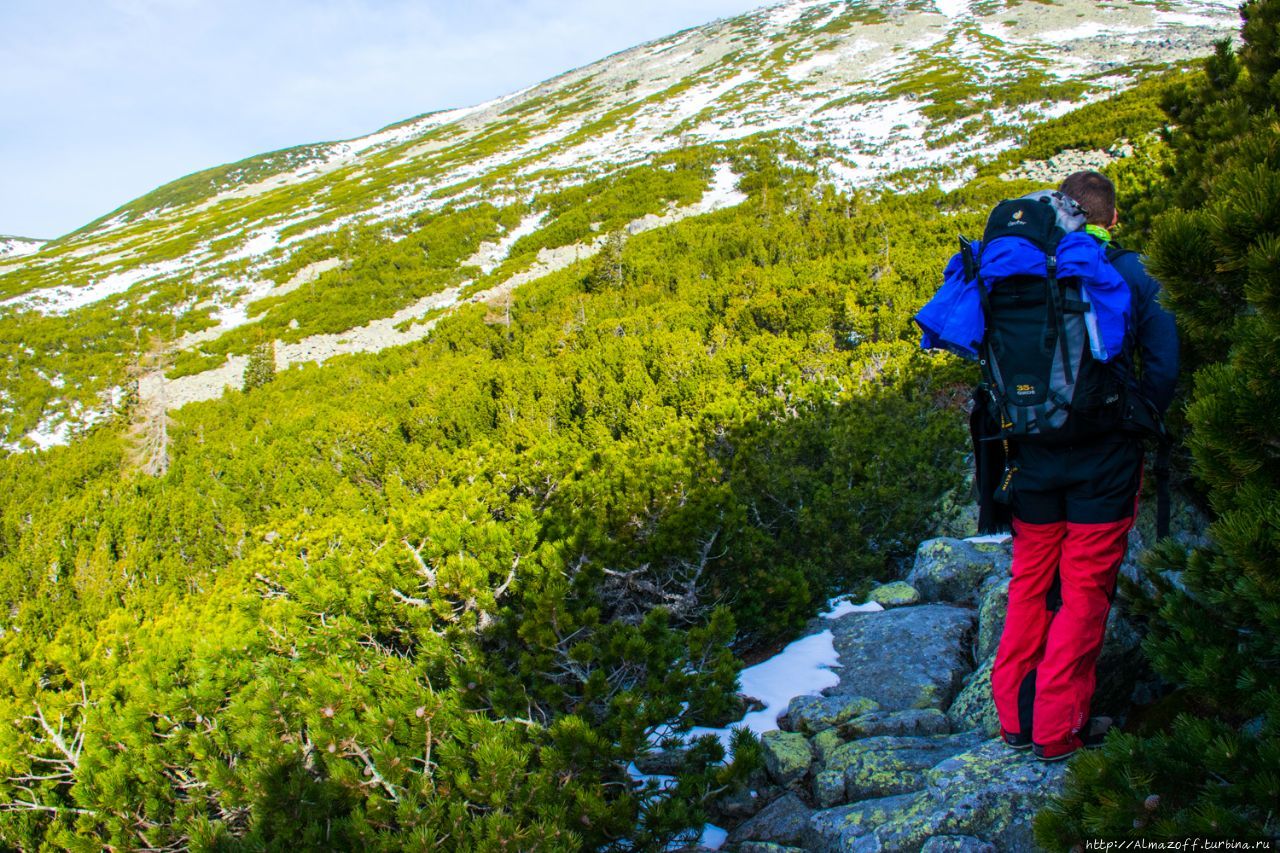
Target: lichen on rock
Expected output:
[974,707]
[915,721]
[989,793]
[814,714]
[784,821]
[787,756]
[953,569]
[895,594]
[991,612]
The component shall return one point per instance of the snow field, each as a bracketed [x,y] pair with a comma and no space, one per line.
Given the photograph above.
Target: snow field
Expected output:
[13,247]
[63,299]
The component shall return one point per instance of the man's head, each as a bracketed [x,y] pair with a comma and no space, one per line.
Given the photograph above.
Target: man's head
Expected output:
[1096,194]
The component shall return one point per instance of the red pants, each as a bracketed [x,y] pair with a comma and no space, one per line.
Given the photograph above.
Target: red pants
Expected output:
[1045,668]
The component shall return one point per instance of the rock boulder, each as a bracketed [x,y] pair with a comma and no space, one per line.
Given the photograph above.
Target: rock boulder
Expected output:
[787,756]
[990,793]
[954,569]
[813,714]
[784,821]
[896,594]
[909,657]
[915,722]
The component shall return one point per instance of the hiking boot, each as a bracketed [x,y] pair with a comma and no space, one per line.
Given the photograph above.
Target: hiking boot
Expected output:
[1015,740]
[1090,737]
[1096,732]
[1058,750]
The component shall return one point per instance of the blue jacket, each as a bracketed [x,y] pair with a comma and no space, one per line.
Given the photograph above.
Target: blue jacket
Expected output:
[953,319]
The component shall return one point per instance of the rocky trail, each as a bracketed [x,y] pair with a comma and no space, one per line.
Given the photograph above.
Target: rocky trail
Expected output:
[903,753]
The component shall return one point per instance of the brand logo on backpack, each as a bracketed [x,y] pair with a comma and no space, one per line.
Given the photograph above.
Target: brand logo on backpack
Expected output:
[1017,219]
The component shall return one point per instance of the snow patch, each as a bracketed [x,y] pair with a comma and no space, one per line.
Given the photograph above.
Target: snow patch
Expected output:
[260,243]
[696,100]
[842,606]
[713,837]
[783,16]
[801,669]
[1088,30]
[1183,19]
[51,433]
[663,782]
[59,427]
[954,8]
[663,46]
[237,313]
[118,221]
[489,256]
[804,69]
[403,132]
[14,247]
[724,190]
[63,299]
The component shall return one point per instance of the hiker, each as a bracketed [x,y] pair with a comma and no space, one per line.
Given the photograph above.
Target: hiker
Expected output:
[1068,408]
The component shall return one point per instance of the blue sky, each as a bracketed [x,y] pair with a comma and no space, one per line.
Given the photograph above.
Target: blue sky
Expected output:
[103,100]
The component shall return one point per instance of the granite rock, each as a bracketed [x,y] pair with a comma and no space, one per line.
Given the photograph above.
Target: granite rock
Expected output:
[813,714]
[784,821]
[990,793]
[918,721]
[787,756]
[953,569]
[906,658]
[991,612]
[896,594]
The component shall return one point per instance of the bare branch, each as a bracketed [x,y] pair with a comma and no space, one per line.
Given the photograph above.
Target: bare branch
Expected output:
[423,569]
[273,589]
[24,806]
[408,599]
[506,584]
[371,770]
[72,754]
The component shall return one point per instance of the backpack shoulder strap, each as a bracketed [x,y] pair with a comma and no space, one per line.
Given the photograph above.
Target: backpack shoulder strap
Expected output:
[1115,251]
[969,259]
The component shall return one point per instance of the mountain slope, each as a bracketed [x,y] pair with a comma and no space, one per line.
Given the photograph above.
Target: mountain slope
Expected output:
[869,91]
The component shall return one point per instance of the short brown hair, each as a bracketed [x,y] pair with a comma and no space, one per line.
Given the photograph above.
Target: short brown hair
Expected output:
[1095,193]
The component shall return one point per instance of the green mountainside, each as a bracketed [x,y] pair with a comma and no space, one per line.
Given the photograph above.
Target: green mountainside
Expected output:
[325,239]
[538,418]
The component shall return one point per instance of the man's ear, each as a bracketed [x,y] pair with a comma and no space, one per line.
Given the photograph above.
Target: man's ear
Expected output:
[1115,218]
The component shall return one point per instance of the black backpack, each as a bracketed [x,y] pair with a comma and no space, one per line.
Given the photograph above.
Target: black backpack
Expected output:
[1040,379]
